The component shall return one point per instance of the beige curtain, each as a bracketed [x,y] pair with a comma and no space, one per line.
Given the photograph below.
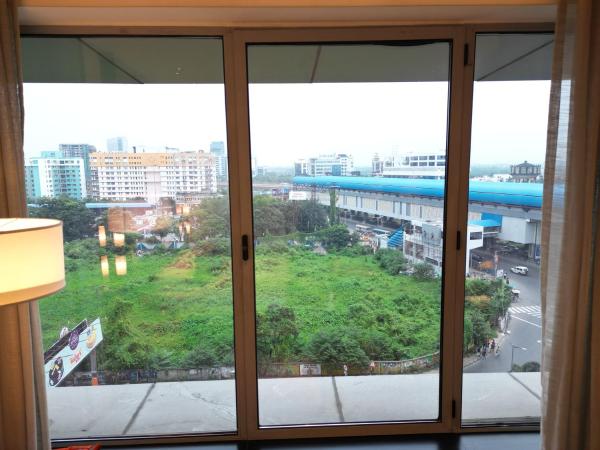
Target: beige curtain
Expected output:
[571,266]
[23,412]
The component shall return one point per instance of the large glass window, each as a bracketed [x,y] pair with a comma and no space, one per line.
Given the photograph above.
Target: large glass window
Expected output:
[502,328]
[125,143]
[348,281]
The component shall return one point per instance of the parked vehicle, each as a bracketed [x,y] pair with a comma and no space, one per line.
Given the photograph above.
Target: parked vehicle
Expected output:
[521,270]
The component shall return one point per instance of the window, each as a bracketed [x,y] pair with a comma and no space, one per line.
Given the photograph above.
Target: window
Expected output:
[502,322]
[297,310]
[143,332]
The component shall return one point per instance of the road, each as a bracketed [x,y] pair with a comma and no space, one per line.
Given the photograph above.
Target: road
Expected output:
[525,325]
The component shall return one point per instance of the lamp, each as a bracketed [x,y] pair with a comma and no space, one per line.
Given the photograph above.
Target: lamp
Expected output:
[32,262]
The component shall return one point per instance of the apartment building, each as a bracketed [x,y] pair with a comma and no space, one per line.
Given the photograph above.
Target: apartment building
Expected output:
[338,164]
[80,151]
[124,176]
[53,175]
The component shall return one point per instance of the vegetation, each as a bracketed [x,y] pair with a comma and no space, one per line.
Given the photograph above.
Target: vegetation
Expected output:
[345,305]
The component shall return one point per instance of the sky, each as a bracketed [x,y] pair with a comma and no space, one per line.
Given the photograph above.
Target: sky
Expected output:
[290,121]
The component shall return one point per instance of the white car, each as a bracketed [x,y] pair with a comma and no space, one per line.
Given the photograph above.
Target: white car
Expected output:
[521,270]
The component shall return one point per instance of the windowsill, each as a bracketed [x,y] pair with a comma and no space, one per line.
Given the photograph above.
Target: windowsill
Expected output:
[209,406]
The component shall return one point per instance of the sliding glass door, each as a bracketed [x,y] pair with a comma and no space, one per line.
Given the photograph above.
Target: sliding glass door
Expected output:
[348,152]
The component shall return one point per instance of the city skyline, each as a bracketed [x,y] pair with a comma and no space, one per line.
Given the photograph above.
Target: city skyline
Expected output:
[160,116]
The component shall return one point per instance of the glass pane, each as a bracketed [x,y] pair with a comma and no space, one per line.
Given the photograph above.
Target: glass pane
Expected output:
[348,165]
[502,338]
[128,150]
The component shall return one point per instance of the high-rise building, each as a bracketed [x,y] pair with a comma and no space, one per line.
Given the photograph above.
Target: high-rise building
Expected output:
[217,149]
[80,151]
[151,176]
[55,177]
[117,144]
[339,164]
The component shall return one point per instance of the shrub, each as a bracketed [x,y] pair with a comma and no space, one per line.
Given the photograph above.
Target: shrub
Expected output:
[423,272]
[392,261]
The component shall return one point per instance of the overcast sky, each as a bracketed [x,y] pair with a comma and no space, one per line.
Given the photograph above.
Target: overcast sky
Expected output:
[292,121]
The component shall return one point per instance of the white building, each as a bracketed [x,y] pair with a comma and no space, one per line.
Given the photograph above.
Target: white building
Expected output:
[55,177]
[339,164]
[125,176]
[424,243]
[431,165]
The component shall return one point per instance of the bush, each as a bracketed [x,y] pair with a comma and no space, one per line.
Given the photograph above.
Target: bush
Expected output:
[423,272]
[529,366]
[392,261]
[336,348]
[336,237]
[212,247]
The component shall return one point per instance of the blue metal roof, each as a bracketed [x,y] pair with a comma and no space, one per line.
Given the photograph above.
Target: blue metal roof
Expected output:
[512,194]
[486,223]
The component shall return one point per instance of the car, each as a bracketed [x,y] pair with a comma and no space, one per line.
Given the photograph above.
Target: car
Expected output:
[521,270]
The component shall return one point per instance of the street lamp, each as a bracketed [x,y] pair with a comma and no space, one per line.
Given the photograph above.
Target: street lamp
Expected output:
[512,354]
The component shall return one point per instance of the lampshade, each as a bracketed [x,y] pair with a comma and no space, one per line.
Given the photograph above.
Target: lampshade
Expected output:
[104,266]
[32,262]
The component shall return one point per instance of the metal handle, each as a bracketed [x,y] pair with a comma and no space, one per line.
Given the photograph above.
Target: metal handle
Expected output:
[245,247]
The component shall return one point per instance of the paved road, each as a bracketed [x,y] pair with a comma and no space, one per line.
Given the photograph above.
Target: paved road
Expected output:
[525,325]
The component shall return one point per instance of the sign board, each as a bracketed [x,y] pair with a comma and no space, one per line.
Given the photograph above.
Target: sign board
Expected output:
[310,369]
[298,195]
[78,346]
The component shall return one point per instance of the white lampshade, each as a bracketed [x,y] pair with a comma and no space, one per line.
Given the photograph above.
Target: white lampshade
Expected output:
[32,262]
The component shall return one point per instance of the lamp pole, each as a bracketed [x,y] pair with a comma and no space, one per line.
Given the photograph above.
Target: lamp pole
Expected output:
[512,354]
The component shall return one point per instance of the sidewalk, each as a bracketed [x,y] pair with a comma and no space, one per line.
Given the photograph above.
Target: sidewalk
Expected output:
[209,406]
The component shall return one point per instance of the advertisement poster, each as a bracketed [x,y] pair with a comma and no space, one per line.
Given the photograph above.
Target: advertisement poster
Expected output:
[78,346]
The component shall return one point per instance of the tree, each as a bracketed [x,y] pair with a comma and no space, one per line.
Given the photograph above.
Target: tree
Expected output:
[336,348]
[335,237]
[333,214]
[277,334]
[78,221]
[311,216]
[164,225]
[211,219]
[269,218]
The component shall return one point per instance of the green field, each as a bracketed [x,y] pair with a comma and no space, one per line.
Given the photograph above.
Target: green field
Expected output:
[175,309]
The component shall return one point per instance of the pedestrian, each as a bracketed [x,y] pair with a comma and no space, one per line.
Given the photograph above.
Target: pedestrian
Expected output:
[484,350]
[497,349]
[345,370]
[493,345]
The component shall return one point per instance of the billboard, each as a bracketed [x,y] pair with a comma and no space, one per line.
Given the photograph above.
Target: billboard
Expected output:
[78,344]
[298,195]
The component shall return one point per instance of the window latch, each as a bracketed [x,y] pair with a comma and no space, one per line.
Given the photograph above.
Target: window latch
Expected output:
[245,251]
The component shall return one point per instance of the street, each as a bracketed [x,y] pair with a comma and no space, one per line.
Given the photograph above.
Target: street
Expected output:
[525,325]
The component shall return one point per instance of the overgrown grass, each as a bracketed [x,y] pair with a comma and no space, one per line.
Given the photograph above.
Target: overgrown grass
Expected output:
[182,304]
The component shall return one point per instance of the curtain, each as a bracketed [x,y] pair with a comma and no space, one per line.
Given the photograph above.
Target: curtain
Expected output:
[23,411]
[571,263]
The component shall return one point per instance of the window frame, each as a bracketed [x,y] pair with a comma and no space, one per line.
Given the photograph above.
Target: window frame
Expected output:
[457,162]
